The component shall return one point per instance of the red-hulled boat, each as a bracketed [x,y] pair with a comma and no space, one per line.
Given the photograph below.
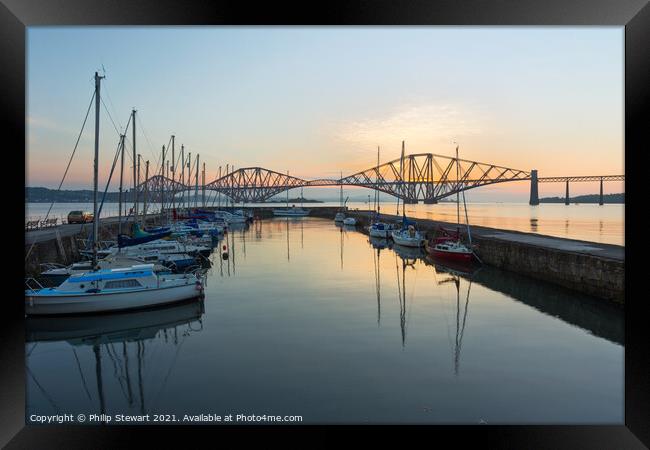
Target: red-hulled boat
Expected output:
[450,250]
[447,244]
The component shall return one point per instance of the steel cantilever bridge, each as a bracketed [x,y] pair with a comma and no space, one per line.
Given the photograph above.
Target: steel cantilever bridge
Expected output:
[423,177]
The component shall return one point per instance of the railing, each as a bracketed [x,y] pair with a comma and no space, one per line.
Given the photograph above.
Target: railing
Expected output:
[50,266]
[40,224]
[30,282]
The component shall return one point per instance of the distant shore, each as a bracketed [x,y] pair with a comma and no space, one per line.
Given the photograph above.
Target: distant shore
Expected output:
[293,200]
[591,198]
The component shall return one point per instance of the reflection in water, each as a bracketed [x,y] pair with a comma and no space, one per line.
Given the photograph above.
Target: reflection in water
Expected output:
[301,319]
[113,338]
[401,288]
[454,277]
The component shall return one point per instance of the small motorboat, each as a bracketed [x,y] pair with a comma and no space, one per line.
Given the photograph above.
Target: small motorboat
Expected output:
[408,237]
[381,229]
[349,221]
[290,212]
[108,290]
[339,217]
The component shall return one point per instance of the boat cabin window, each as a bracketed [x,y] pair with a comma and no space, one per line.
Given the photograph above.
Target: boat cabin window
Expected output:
[122,284]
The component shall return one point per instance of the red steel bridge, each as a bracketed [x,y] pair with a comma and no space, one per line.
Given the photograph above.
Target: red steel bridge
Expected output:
[425,177]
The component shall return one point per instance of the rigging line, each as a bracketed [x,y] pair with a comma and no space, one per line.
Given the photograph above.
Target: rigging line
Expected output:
[45,394]
[118,374]
[31,350]
[445,311]
[109,116]
[112,106]
[408,317]
[67,168]
[83,379]
[144,132]
[462,331]
[173,364]
[108,182]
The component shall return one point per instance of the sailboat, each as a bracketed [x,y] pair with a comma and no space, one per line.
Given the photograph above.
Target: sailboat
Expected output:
[340,215]
[293,211]
[377,228]
[447,245]
[114,289]
[408,235]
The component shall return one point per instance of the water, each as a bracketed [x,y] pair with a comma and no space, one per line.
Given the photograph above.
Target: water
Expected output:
[586,222]
[306,318]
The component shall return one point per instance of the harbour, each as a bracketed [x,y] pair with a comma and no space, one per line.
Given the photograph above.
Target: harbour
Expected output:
[397,265]
[298,321]
[598,266]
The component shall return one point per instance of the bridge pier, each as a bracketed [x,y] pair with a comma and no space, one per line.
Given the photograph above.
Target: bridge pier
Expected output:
[566,197]
[430,201]
[534,195]
[600,200]
[411,201]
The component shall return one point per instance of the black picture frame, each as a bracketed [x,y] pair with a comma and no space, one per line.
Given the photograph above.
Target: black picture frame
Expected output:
[634,15]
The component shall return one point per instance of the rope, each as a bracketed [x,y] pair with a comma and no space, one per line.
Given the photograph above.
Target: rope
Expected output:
[67,167]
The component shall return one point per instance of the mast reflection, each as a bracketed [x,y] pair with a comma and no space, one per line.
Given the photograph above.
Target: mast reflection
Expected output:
[102,333]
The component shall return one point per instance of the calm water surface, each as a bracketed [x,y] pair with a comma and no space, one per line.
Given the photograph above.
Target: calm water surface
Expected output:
[586,222]
[307,318]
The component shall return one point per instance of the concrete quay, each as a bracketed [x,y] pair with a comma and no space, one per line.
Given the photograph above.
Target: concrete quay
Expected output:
[588,267]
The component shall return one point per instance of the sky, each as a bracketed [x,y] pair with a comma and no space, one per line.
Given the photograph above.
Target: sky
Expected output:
[316,101]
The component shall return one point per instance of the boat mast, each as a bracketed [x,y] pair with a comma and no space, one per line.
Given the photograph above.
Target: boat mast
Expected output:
[401,169]
[203,185]
[96,171]
[189,179]
[173,174]
[196,183]
[377,184]
[219,193]
[341,195]
[162,184]
[287,201]
[119,222]
[146,193]
[135,186]
[182,176]
[457,193]
[138,185]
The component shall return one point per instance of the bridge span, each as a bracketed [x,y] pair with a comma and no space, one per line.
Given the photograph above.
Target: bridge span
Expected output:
[425,177]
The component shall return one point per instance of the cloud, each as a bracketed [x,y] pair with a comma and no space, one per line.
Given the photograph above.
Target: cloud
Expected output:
[417,124]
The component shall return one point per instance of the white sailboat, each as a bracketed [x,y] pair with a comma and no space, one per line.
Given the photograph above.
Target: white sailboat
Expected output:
[378,228]
[408,235]
[114,289]
[108,290]
[340,215]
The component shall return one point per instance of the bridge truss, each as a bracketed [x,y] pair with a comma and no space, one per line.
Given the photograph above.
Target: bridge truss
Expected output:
[423,177]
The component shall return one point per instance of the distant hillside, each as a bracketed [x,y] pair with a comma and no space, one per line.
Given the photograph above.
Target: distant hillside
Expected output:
[45,195]
[591,198]
[292,200]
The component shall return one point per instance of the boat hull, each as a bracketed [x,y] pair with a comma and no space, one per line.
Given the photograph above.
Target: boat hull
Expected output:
[281,213]
[458,257]
[407,242]
[384,234]
[109,301]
